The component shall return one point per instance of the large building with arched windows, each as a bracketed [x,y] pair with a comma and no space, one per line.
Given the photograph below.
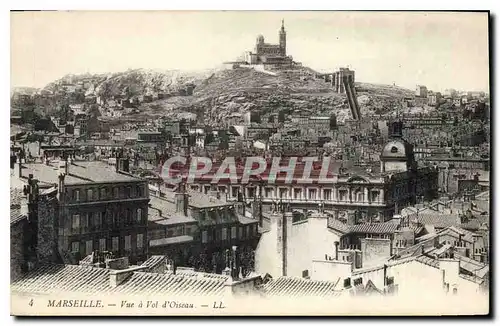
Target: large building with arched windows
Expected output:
[370,192]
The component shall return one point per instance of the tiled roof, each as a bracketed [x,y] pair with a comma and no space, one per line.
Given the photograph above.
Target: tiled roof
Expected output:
[189,272]
[153,261]
[439,221]
[54,279]
[483,195]
[376,228]
[337,225]
[87,260]
[476,223]
[471,225]
[57,279]
[17,198]
[428,261]
[427,237]
[476,268]
[153,283]
[388,227]
[414,250]
[15,215]
[475,279]
[467,235]
[436,252]
[298,287]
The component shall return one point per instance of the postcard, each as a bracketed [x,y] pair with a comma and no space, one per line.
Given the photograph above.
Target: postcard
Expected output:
[313,163]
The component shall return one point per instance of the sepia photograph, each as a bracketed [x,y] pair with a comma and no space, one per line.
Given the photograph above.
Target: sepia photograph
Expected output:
[250,163]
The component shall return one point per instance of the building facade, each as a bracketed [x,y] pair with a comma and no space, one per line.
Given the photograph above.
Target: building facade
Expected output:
[87,206]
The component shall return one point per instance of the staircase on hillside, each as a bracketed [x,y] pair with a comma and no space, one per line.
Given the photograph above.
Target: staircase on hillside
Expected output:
[352,98]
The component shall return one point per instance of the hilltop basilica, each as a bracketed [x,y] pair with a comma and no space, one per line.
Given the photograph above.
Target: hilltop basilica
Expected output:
[269,54]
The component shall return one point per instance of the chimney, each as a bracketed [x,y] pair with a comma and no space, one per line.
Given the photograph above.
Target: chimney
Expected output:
[60,186]
[63,167]
[226,271]
[256,211]
[287,232]
[18,167]
[12,161]
[336,250]
[234,263]
[227,259]
[385,275]
[181,200]
[118,263]
[117,162]
[451,268]
[174,267]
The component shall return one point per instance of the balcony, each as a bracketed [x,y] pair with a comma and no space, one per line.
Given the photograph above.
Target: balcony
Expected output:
[322,201]
[103,202]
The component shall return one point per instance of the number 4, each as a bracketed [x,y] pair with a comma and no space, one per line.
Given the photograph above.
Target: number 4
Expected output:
[31,303]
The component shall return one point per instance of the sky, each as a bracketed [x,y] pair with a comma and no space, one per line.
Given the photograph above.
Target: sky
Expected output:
[440,50]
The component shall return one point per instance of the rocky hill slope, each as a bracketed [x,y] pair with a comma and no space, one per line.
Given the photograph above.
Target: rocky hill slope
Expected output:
[221,93]
[237,91]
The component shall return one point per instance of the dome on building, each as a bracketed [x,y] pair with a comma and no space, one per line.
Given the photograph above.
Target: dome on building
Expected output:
[260,39]
[397,149]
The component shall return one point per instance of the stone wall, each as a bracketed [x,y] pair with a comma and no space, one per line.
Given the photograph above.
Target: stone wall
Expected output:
[17,252]
[47,228]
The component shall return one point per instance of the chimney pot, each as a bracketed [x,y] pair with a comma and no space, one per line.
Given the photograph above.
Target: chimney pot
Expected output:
[336,250]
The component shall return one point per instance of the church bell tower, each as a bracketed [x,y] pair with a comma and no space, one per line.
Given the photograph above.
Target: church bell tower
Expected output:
[283,38]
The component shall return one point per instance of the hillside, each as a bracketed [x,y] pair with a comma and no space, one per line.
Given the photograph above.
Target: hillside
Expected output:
[23,90]
[227,92]
[220,93]
[140,82]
